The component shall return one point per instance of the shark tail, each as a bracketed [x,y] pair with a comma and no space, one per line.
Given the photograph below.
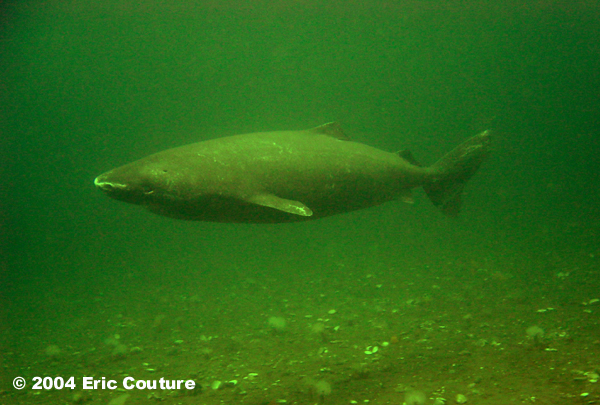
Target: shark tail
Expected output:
[451,173]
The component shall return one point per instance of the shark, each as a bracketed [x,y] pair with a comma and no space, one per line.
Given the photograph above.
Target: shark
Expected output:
[288,176]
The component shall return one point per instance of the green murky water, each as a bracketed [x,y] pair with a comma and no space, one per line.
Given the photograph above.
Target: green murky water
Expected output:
[93,287]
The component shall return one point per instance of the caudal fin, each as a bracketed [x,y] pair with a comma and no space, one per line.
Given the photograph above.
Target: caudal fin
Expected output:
[451,173]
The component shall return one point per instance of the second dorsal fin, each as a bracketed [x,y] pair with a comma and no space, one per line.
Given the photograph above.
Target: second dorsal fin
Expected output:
[408,156]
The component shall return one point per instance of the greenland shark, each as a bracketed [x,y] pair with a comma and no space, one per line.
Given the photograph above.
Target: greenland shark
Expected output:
[288,176]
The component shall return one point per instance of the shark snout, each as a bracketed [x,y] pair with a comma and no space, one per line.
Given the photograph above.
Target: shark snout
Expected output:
[108,186]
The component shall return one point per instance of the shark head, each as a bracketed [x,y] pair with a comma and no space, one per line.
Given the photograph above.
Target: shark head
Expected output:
[142,183]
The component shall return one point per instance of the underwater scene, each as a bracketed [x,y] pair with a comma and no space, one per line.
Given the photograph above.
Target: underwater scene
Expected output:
[300,202]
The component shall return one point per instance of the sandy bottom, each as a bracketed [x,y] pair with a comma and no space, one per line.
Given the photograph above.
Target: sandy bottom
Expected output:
[518,329]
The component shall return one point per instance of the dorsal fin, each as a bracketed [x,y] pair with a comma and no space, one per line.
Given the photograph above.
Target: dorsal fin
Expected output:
[332,129]
[408,156]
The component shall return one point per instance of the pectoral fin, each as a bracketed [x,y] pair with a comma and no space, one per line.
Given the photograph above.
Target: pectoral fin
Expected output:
[406,196]
[281,204]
